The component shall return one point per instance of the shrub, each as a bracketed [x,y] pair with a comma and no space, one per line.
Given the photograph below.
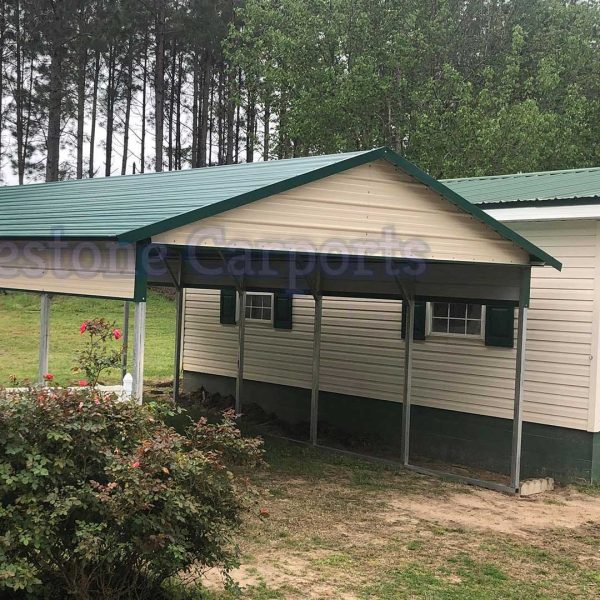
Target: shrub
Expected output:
[99,354]
[101,499]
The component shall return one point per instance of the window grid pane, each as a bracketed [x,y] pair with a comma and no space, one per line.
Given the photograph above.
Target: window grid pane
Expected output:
[259,307]
[456,318]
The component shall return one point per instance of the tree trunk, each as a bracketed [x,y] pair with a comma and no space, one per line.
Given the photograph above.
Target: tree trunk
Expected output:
[91,172]
[159,81]
[195,131]
[178,115]
[19,94]
[172,105]
[2,43]
[128,95]
[55,92]
[267,132]
[110,109]
[250,127]
[144,92]
[204,112]
[81,109]
[230,116]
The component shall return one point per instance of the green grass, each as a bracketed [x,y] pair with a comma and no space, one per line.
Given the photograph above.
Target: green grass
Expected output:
[19,334]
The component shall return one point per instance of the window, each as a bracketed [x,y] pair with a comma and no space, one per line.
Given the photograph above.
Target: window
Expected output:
[455,318]
[259,306]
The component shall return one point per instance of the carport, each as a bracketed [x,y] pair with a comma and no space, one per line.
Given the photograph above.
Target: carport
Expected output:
[366,224]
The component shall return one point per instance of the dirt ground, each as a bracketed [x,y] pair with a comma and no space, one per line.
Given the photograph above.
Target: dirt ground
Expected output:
[325,526]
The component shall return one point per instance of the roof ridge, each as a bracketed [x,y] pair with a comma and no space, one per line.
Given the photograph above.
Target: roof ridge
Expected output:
[527,174]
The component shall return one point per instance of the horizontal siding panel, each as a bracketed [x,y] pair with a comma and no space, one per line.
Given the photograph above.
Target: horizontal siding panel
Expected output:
[362,353]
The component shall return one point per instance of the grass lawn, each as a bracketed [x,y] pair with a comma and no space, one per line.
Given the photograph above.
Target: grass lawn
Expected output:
[338,527]
[19,334]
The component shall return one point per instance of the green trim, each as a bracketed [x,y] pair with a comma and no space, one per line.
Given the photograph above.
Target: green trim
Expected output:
[141,272]
[472,209]
[148,231]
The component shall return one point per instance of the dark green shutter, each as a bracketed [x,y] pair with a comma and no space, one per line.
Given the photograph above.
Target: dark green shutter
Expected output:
[420,320]
[228,306]
[499,326]
[283,310]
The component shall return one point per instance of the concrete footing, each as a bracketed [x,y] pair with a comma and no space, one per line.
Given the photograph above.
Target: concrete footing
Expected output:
[530,487]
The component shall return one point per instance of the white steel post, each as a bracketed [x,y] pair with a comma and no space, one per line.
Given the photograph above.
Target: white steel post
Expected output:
[139,334]
[44,337]
[515,466]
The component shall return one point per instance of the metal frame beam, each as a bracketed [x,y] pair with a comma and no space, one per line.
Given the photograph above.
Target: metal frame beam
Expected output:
[44,349]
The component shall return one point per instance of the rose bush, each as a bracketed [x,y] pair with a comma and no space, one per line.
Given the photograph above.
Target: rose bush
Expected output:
[101,499]
[99,353]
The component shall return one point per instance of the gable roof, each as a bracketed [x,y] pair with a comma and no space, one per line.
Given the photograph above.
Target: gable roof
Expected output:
[136,207]
[572,185]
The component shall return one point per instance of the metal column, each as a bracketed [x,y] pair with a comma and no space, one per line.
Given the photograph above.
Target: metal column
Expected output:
[241,334]
[125,339]
[316,366]
[408,347]
[515,464]
[44,337]
[139,334]
[178,336]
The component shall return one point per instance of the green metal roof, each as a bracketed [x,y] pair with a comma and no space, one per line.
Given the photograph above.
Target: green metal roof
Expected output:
[572,185]
[135,207]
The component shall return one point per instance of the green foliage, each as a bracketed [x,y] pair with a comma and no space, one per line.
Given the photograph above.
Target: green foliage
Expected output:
[100,499]
[461,88]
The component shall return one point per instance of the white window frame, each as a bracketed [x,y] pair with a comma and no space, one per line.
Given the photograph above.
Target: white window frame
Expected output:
[464,336]
[262,321]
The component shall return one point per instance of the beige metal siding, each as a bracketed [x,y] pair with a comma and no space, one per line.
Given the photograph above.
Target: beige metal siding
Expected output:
[349,213]
[563,323]
[362,353]
[88,268]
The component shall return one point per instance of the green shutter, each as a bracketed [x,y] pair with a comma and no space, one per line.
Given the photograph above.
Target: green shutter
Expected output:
[420,320]
[499,326]
[283,310]
[228,306]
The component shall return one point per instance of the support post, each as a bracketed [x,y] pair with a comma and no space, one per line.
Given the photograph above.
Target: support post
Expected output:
[515,465]
[139,334]
[241,334]
[179,299]
[408,348]
[44,337]
[178,335]
[316,367]
[126,312]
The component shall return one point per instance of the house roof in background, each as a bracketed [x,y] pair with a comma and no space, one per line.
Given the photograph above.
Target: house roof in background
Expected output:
[568,185]
[136,207]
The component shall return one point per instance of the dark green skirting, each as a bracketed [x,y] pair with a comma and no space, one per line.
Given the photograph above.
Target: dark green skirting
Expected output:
[438,435]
